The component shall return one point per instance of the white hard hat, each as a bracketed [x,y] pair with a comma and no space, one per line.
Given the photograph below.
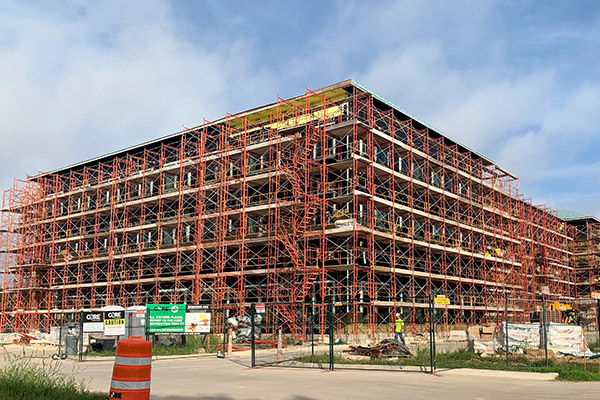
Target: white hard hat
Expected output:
[397,314]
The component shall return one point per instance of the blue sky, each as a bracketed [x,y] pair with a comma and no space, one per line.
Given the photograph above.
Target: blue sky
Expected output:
[519,81]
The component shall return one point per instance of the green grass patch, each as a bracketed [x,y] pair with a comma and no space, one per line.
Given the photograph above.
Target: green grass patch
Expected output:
[571,370]
[210,344]
[21,378]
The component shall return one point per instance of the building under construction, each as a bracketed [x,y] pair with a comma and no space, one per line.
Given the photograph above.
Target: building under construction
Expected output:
[333,194]
[585,231]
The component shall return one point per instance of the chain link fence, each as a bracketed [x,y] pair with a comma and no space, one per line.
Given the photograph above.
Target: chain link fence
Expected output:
[512,331]
[446,330]
[326,336]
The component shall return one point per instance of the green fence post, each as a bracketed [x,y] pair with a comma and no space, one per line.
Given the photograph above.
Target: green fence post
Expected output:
[598,319]
[433,321]
[252,341]
[431,334]
[545,330]
[506,325]
[330,318]
[81,336]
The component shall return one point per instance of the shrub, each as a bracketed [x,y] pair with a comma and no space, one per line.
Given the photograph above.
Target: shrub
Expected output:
[22,378]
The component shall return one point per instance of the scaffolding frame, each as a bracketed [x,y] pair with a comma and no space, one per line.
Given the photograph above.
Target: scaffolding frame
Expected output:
[329,194]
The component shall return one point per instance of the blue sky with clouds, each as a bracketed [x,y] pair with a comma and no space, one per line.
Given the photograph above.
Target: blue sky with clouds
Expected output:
[519,81]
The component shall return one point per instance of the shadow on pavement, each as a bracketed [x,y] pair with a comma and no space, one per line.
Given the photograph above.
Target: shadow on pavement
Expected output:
[190,397]
[222,397]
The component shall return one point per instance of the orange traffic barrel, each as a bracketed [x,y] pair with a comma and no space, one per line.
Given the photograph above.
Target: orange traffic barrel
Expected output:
[131,373]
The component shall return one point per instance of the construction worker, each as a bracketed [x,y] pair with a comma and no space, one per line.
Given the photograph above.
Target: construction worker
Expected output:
[398,325]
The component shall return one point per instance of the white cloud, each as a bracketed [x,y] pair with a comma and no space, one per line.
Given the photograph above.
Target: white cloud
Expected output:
[89,79]
[522,116]
[476,107]
[78,84]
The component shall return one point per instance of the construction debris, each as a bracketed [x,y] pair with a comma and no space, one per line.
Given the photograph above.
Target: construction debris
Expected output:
[488,332]
[385,349]
[457,336]
[25,338]
[242,328]
[486,348]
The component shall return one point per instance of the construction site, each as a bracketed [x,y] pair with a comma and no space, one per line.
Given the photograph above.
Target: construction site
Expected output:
[336,195]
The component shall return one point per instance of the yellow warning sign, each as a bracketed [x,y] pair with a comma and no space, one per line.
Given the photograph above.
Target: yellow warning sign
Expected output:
[441,300]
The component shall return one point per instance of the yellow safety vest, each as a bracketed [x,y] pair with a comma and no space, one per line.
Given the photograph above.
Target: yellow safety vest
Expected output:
[399,324]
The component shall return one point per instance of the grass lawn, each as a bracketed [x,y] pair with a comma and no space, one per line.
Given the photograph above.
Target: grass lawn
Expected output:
[568,368]
[210,343]
[23,379]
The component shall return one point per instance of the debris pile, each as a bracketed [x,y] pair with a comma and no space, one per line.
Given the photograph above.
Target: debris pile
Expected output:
[242,328]
[385,348]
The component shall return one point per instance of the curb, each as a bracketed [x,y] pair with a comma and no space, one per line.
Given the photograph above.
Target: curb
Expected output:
[173,357]
[158,358]
[526,375]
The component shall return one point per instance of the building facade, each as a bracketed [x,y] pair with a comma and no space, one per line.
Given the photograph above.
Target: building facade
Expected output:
[336,194]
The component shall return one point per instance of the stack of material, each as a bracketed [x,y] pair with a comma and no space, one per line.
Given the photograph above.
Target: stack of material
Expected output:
[487,332]
[385,348]
[481,332]
[486,348]
[457,336]
[474,331]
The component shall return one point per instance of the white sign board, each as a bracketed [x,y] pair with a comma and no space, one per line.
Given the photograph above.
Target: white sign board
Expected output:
[114,323]
[197,319]
[93,322]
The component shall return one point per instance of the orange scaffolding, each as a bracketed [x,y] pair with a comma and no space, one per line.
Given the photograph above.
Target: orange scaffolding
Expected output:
[333,194]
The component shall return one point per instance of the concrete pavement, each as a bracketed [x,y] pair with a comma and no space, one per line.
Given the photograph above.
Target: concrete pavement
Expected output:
[212,378]
[206,377]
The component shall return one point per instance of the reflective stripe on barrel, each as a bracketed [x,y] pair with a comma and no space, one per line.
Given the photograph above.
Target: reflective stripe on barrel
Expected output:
[133,361]
[126,385]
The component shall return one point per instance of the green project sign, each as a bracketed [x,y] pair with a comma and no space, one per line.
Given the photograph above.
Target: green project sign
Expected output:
[166,318]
